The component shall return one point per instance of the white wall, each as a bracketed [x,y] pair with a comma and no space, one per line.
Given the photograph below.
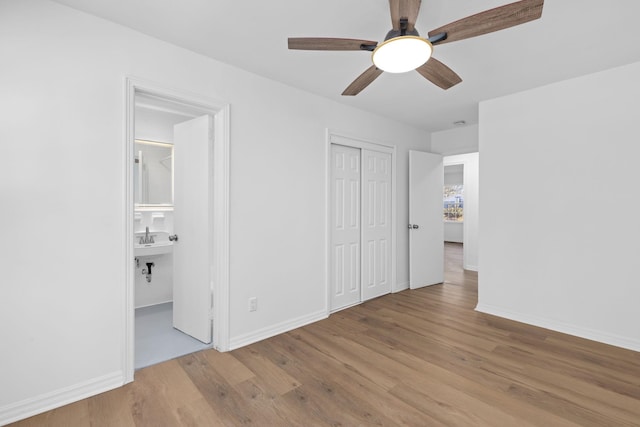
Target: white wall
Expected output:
[160,289]
[454,174]
[156,125]
[458,140]
[559,237]
[453,232]
[471,181]
[63,115]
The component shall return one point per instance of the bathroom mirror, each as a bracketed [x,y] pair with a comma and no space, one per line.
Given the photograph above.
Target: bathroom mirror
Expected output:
[153,174]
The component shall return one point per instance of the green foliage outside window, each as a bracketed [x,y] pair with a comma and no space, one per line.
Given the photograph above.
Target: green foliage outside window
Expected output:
[453,203]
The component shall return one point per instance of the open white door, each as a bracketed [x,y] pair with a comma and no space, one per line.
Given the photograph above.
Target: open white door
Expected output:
[426,234]
[192,252]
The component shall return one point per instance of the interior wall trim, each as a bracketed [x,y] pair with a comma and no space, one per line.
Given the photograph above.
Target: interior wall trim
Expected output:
[400,287]
[57,398]
[563,327]
[280,328]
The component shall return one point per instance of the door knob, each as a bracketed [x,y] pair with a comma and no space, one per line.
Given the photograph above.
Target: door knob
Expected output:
[173,238]
[415,226]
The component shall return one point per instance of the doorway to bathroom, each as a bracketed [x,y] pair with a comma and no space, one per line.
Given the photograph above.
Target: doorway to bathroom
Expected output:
[171,275]
[177,186]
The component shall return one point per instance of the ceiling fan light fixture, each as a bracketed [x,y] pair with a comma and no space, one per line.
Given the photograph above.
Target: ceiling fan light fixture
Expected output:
[402,54]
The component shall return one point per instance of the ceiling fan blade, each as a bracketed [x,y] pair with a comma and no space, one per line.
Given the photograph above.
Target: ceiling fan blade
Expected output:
[325,43]
[439,74]
[362,81]
[491,20]
[404,9]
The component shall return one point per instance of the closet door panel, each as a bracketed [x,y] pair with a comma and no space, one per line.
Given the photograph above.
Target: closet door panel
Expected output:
[344,275]
[376,224]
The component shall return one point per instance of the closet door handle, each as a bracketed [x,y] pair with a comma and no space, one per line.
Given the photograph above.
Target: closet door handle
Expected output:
[415,226]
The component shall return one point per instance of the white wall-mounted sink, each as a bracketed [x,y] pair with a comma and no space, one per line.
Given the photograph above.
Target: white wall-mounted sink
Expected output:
[161,244]
[153,249]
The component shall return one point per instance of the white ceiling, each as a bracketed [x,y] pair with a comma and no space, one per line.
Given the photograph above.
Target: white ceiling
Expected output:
[573,38]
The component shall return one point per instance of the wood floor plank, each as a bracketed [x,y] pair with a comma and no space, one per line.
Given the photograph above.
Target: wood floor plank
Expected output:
[555,380]
[148,407]
[75,414]
[111,409]
[229,367]
[263,398]
[467,411]
[260,399]
[196,414]
[420,357]
[253,358]
[227,403]
[322,395]
[295,355]
[491,396]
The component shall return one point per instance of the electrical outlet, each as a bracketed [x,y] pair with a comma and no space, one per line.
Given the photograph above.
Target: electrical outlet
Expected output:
[253,304]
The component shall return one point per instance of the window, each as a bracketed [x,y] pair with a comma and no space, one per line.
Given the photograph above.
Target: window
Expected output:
[453,203]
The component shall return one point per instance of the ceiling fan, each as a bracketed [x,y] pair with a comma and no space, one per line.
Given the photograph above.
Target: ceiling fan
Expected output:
[404,50]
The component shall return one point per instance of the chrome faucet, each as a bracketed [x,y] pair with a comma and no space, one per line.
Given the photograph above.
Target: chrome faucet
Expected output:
[146,239]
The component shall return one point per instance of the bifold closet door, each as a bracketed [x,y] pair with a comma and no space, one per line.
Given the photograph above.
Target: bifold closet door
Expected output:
[344,275]
[376,224]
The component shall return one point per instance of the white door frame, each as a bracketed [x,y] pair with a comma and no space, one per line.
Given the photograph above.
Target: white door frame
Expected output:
[334,137]
[219,174]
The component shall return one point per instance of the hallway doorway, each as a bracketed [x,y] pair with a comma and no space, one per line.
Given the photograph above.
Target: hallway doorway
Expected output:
[454,271]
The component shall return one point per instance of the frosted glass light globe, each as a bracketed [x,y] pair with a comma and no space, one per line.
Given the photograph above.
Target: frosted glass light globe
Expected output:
[402,54]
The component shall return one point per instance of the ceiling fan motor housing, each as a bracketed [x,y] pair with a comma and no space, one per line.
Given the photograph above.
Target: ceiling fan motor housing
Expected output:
[397,33]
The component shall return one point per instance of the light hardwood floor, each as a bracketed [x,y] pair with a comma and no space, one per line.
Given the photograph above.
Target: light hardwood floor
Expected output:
[416,358]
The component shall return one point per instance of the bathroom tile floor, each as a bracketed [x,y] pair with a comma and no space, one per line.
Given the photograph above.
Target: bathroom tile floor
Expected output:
[156,340]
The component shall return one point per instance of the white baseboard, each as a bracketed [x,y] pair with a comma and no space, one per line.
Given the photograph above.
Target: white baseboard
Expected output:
[400,287]
[335,310]
[57,398]
[280,328]
[471,267]
[152,304]
[565,328]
